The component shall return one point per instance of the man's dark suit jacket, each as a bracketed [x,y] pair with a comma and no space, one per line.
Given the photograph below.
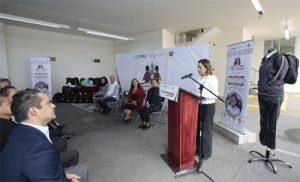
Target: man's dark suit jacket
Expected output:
[29,156]
[6,127]
[155,101]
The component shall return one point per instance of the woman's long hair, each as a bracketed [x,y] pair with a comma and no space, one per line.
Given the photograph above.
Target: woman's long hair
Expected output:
[106,82]
[131,87]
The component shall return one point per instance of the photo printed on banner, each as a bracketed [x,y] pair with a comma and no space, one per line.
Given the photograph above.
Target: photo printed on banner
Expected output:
[237,82]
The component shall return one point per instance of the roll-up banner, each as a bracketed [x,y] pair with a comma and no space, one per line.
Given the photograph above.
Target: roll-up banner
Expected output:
[237,82]
[41,75]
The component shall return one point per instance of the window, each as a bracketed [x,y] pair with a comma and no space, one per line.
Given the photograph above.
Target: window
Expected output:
[282,45]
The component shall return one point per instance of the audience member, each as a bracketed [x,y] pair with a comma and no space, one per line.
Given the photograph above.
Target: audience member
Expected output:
[136,95]
[100,93]
[3,83]
[6,124]
[28,154]
[109,96]
[153,103]
[68,157]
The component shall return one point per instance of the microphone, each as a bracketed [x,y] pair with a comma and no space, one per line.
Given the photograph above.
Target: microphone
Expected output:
[188,75]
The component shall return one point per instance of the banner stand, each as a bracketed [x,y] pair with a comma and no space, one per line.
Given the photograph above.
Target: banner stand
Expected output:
[248,137]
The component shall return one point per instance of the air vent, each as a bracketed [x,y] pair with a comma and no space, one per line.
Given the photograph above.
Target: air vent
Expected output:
[187,36]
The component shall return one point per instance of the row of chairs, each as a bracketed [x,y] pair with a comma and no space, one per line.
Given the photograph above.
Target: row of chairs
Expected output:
[76,81]
[117,109]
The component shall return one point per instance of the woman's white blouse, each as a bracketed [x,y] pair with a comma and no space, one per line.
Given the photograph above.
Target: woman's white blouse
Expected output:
[210,82]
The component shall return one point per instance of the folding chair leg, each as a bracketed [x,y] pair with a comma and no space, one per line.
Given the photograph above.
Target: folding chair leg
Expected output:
[112,110]
[137,118]
[157,121]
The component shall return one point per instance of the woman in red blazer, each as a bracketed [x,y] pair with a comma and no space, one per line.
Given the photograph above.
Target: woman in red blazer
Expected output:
[136,96]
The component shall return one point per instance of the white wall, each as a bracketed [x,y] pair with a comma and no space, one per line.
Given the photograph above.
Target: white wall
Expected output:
[170,40]
[246,35]
[73,55]
[221,42]
[258,54]
[296,87]
[3,59]
[143,42]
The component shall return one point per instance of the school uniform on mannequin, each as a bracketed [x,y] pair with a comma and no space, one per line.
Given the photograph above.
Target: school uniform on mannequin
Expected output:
[270,95]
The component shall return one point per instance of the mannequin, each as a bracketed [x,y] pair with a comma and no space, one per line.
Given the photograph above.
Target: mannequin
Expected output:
[272,71]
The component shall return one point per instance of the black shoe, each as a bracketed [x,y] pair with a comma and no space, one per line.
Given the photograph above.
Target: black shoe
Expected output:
[146,127]
[125,121]
[60,127]
[96,110]
[204,158]
[128,121]
[142,126]
[197,154]
[102,112]
[66,135]
[107,112]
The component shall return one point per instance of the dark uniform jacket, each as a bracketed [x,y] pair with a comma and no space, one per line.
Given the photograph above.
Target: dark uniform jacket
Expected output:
[271,74]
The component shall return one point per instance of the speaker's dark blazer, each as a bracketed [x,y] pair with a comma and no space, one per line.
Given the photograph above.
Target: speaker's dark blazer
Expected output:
[156,99]
[29,156]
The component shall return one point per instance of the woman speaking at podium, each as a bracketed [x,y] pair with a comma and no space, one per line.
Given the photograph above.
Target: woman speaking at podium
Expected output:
[209,81]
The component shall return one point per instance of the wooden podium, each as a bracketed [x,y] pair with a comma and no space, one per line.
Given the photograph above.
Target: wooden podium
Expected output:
[182,128]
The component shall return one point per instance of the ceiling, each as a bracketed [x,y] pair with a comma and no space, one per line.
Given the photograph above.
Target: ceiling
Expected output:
[132,17]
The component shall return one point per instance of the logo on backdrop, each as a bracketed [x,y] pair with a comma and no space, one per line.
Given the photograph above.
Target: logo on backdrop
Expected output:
[171,53]
[152,55]
[140,56]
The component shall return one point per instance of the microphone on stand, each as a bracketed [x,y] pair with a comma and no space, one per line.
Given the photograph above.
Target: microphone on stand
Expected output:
[188,75]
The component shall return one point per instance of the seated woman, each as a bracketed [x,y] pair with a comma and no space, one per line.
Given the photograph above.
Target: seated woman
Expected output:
[136,96]
[102,90]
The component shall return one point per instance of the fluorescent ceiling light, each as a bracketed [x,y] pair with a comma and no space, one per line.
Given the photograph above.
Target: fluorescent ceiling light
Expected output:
[33,21]
[104,34]
[258,7]
[286,31]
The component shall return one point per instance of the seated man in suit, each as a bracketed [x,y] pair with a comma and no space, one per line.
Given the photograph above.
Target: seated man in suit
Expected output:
[29,154]
[109,96]
[68,157]
[153,104]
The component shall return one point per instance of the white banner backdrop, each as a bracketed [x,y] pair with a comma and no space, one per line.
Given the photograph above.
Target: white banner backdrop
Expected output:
[41,75]
[237,81]
[168,65]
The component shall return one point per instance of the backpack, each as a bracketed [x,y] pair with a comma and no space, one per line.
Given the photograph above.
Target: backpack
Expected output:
[64,97]
[75,81]
[68,80]
[292,73]
[98,81]
[75,98]
[88,97]
[69,98]
[57,97]
[81,98]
